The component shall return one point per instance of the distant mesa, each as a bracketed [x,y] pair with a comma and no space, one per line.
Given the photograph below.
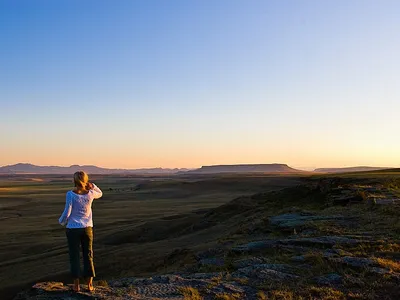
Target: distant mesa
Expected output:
[349,169]
[247,168]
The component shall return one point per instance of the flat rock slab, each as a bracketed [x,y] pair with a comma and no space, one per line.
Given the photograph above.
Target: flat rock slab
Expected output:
[276,267]
[57,290]
[322,241]
[256,246]
[297,220]
[325,241]
[171,287]
[266,271]
[358,262]
[247,262]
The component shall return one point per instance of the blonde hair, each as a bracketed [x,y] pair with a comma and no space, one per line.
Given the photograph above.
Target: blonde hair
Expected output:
[81,179]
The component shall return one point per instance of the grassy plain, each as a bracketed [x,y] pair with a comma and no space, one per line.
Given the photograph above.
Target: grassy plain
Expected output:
[342,238]
[143,225]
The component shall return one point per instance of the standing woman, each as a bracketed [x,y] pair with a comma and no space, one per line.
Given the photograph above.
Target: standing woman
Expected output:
[77,216]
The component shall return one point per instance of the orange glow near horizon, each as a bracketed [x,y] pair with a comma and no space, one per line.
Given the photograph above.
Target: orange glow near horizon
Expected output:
[195,159]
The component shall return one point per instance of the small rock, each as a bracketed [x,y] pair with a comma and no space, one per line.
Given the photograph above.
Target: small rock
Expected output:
[308,232]
[205,275]
[213,261]
[329,279]
[329,253]
[266,271]
[356,261]
[378,270]
[297,220]
[242,263]
[298,258]
[255,246]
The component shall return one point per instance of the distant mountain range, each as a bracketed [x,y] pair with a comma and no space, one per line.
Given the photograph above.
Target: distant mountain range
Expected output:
[349,169]
[248,168]
[23,168]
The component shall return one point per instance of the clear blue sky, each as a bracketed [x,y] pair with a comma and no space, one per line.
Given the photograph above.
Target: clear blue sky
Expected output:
[190,83]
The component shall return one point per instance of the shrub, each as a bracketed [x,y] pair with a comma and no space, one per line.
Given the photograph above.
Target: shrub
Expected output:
[261,296]
[361,195]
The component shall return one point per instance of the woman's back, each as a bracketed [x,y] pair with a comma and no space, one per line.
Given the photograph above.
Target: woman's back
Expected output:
[78,209]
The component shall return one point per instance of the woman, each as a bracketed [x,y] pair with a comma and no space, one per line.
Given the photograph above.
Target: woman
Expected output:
[77,216]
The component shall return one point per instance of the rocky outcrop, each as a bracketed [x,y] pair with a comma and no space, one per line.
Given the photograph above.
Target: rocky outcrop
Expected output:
[171,287]
[312,252]
[293,220]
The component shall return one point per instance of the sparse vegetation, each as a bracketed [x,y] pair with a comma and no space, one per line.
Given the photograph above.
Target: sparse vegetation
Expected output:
[361,195]
[389,264]
[326,293]
[261,296]
[101,283]
[226,296]
[191,293]
[281,295]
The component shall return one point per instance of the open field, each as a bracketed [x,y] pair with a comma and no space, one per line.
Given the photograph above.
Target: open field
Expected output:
[247,237]
[138,222]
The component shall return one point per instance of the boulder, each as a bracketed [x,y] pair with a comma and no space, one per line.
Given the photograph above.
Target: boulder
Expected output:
[358,262]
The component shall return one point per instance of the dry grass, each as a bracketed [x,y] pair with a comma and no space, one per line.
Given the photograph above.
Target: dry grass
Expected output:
[353,295]
[389,264]
[319,264]
[215,281]
[190,293]
[281,295]
[101,283]
[326,293]
[226,296]
[261,296]
[242,281]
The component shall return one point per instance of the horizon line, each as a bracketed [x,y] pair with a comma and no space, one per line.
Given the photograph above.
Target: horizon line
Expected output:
[207,165]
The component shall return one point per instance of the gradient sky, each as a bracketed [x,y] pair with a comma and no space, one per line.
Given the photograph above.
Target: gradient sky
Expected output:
[149,83]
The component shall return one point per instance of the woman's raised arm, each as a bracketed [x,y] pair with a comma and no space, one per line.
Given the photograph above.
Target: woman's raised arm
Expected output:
[97,193]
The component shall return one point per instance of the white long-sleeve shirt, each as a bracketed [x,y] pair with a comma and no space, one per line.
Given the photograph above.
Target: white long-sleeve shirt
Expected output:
[78,209]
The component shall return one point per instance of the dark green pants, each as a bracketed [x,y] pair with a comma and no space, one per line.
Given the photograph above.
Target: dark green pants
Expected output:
[81,237]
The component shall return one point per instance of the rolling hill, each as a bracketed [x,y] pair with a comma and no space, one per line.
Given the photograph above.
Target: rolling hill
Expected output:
[25,168]
[349,169]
